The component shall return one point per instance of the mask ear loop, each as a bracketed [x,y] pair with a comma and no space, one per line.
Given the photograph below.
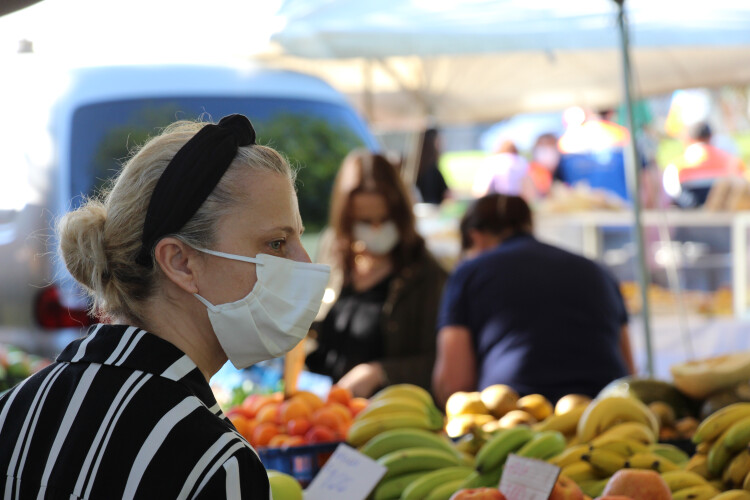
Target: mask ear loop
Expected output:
[230,256]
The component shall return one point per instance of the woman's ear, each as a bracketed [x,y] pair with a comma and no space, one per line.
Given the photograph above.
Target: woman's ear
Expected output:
[178,262]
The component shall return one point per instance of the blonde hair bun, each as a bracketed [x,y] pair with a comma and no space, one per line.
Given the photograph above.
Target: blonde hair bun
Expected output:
[82,244]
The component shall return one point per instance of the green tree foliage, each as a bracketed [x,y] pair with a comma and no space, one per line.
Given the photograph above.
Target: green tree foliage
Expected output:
[311,144]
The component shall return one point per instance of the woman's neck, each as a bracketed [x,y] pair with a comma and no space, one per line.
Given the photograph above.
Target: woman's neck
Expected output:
[369,270]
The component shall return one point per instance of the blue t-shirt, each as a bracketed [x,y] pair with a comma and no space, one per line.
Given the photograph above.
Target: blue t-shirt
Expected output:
[543,320]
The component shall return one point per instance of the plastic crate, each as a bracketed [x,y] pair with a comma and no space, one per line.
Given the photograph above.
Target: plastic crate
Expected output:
[302,462]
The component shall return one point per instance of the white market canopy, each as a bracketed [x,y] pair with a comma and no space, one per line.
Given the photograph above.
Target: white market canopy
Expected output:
[404,62]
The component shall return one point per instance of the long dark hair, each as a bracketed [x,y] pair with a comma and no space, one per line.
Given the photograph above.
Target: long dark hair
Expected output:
[365,172]
[496,213]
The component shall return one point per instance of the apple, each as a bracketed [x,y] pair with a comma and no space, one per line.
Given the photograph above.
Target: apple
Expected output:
[478,494]
[284,486]
[638,484]
[566,489]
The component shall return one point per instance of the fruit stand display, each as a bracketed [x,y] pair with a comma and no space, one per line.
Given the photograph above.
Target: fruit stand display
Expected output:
[16,365]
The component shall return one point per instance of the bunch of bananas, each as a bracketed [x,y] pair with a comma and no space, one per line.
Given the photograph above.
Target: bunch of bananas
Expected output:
[400,406]
[602,414]
[722,440]
[625,445]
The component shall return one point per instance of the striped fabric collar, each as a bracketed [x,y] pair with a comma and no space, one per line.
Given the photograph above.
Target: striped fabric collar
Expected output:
[136,349]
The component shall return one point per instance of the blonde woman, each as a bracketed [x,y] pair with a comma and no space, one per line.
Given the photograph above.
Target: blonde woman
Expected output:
[193,257]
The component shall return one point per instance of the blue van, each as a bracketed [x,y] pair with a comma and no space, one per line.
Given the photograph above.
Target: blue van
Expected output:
[69,129]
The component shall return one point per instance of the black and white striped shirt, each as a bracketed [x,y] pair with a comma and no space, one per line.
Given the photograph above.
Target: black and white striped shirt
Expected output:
[122,414]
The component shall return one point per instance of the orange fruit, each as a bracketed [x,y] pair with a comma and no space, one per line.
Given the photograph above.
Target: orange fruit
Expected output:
[278,440]
[294,408]
[312,399]
[298,426]
[268,413]
[343,411]
[327,417]
[240,423]
[263,433]
[294,441]
[250,428]
[356,405]
[339,394]
[253,403]
[320,434]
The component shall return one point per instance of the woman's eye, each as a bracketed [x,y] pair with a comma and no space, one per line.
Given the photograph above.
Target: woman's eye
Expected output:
[276,245]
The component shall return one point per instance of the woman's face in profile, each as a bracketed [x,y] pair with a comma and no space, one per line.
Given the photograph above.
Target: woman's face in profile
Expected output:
[267,220]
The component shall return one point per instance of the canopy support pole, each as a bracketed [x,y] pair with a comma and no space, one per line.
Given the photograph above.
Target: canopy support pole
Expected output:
[634,182]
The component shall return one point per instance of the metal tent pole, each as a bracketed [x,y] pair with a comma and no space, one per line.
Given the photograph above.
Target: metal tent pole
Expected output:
[634,182]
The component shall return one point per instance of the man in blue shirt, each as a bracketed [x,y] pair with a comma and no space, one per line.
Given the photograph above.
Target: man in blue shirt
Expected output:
[527,314]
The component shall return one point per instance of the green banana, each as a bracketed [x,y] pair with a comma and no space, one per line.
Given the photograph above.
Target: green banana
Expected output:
[718,456]
[420,488]
[489,479]
[496,450]
[700,492]
[734,473]
[681,479]
[416,459]
[393,487]
[733,495]
[362,430]
[718,422]
[399,439]
[544,445]
[605,461]
[570,455]
[404,390]
[580,471]
[593,487]
[738,435]
[445,490]
[670,452]
[466,459]
[652,461]
[624,446]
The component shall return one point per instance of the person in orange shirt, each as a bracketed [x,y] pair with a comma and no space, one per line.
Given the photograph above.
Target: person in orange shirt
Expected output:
[689,179]
[545,158]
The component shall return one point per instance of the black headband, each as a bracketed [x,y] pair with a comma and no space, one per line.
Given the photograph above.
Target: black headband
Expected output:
[190,177]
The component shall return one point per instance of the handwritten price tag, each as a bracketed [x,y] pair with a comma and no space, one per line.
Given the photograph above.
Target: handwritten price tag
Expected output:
[347,475]
[528,479]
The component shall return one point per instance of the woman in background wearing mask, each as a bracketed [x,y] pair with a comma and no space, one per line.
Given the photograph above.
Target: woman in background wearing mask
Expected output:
[192,257]
[545,158]
[378,319]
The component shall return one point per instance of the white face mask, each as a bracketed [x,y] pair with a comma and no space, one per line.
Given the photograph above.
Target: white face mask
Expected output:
[275,315]
[378,241]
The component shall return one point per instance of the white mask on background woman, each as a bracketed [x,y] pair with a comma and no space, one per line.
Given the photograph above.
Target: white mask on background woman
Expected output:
[377,240]
[275,315]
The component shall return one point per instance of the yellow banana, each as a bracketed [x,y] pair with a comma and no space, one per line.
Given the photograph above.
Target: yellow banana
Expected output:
[496,450]
[445,490]
[601,414]
[393,487]
[734,473]
[651,461]
[670,452]
[544,445]
[565,423]
[704,447]
[605,462]
[362,430]
[698,463]
[718,422]
[399,439]
[387,405]
[636,431]
[404,390]
[416,459]
[570,455]
[580,471]
[420,488]
[624,446]
[681,479]
[701,492]
[733,495]
[738,435]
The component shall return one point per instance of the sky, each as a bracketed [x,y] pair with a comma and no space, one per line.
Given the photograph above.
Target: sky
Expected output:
[142,30]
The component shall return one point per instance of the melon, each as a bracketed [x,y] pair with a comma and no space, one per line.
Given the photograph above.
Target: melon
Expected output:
[701,378]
